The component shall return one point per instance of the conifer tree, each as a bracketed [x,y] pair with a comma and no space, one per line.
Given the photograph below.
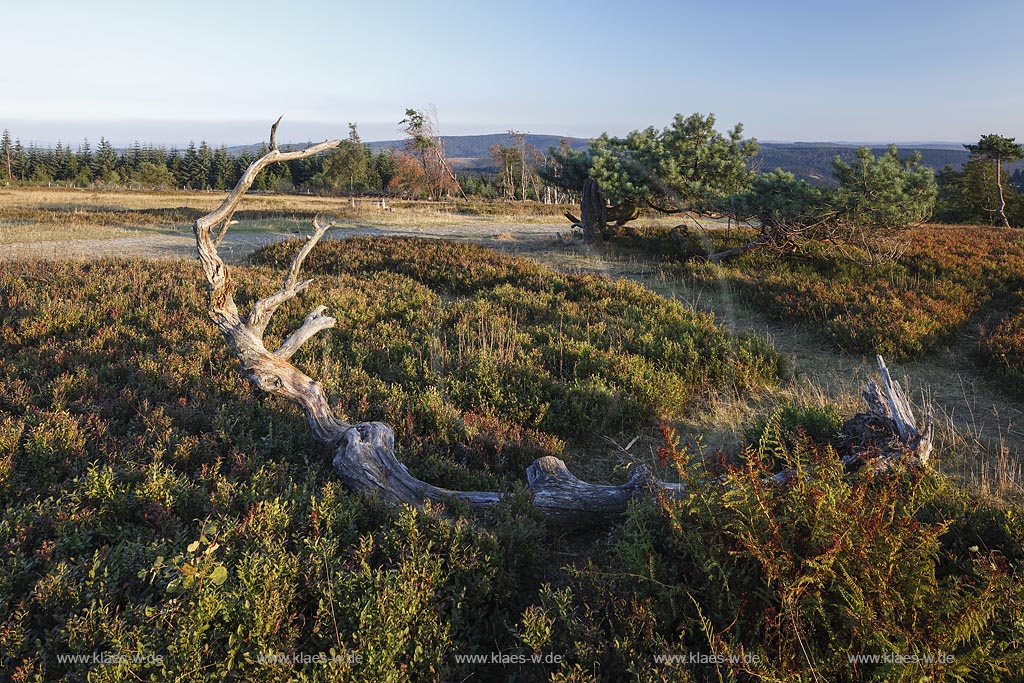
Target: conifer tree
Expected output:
[386,166]
[104,162]
[85,163]
[204,166]
[222,170]
[188,173]
[998,149]
[19,161]
[6,157]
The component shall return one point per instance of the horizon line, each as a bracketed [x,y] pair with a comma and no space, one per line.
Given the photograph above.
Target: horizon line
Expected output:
[123,144]
[47,132]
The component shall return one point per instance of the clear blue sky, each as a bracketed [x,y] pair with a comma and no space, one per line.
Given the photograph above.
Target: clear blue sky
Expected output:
[222,70]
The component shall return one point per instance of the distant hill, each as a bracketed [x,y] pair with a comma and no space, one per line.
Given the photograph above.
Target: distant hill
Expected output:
[473,152]
[811,161]
[465,152]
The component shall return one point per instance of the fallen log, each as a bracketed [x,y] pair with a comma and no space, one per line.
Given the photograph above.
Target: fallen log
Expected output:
[364,455]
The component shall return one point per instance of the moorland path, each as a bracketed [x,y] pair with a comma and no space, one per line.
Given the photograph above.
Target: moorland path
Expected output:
[973,411]
[238,245]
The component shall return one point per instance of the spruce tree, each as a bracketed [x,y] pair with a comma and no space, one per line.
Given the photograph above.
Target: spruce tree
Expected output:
[222,172]
[19,162]
[61,163]
[386,166]
[188,174]
[204,166]
[85,160]
[40,164]
[6,157]
[104,162]
[135,156]
[174,165]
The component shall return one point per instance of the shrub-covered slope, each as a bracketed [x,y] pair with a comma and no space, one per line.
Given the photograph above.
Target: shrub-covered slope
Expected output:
[166,522]
[154,505]
[954,286]
[946,278]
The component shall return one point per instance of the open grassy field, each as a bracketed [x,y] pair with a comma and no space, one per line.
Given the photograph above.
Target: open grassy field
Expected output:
[42,214]
[49,223]
[154,504]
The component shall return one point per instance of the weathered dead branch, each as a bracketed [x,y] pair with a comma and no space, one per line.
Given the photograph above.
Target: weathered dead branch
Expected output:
[365,453]
[888,427]
[727,254]
[269,371]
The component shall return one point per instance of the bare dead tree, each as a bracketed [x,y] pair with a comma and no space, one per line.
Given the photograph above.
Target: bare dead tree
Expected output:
[426,145]
[364,453]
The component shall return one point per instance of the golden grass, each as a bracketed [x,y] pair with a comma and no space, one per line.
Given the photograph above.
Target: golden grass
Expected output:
[47,214]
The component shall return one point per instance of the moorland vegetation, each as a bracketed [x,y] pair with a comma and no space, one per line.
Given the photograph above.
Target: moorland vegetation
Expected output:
[156,505]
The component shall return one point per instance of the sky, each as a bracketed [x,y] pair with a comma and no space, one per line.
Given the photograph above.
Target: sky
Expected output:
[168,72]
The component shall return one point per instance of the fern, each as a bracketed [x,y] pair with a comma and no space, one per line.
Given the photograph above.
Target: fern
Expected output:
[771,445]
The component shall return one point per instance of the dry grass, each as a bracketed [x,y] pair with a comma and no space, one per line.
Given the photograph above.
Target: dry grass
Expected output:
[46,214]
[983,441]
[979,427]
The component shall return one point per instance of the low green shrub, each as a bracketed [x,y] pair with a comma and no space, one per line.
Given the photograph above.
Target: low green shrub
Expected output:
[154,505]
[947,281]
[792,422]
[1001,347]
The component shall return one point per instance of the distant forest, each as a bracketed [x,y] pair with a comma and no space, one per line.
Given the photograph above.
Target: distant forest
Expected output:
[483,163]
[811,161]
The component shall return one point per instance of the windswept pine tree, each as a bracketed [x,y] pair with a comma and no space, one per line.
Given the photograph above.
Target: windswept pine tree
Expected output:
[998,149]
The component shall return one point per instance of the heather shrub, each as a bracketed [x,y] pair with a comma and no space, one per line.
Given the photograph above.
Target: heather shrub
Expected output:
[946,281]
[1001,346]
[153,505]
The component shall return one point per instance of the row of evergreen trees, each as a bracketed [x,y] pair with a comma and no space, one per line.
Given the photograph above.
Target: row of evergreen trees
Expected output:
[199,167]
[351,169]
[966,195]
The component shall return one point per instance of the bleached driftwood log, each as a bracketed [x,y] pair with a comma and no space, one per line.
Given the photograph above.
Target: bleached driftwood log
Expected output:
[364,455]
